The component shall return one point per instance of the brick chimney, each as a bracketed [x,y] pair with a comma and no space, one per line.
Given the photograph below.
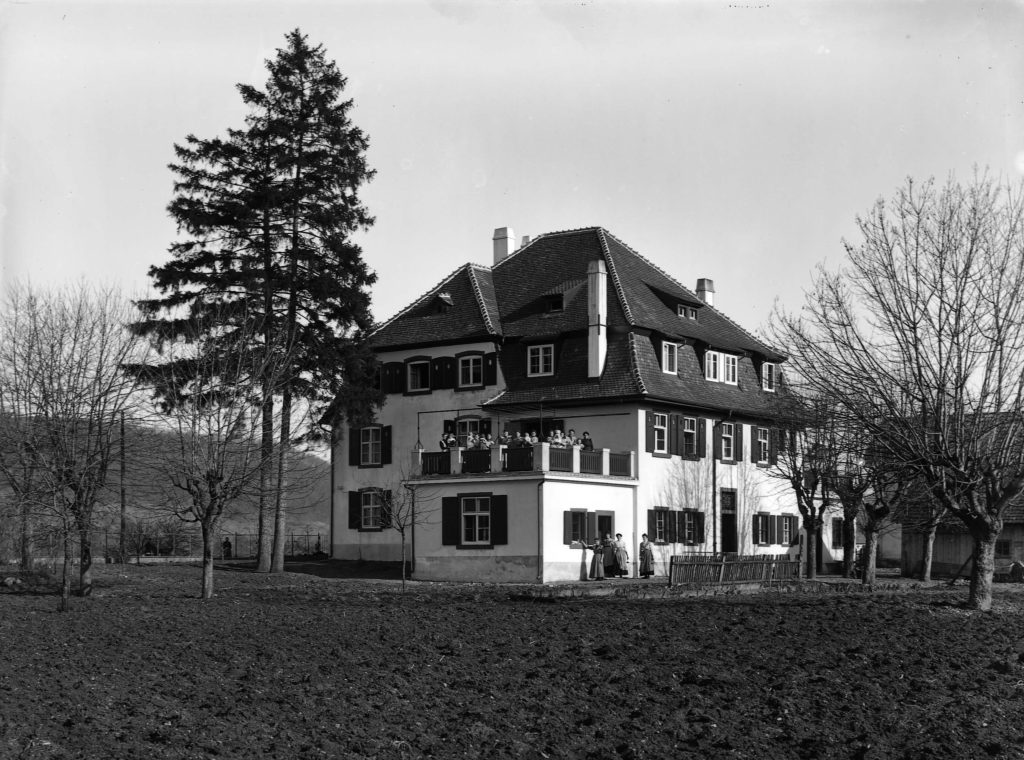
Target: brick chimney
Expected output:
[597,317]
[706,291]
[504,243]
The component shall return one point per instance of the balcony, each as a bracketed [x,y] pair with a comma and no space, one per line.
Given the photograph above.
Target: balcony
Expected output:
[540,457]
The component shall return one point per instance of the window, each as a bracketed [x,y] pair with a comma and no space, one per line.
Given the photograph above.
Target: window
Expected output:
[465,428]
[689,436]
[554,302]
[762,445]
[476,520]
[690,528]
[369,446]
[673,526]
[1002,548]
[729,369]
[660,433]
[371,504]
[580,526]
[711,361]
[660,526]
[540,360]
[686,311]
[768,377]
[837,533]
[762,530]
[419,376]
[471,371]
[788,530]
[669,357]
[728,435]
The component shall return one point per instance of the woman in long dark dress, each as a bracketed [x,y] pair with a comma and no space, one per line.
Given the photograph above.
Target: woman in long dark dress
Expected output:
[611,568]
[597,563]
[646,558]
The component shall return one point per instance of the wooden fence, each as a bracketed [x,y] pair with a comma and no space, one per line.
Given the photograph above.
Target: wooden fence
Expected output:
[716,569]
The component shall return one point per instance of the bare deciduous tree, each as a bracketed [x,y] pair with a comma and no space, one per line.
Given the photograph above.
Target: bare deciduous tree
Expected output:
[920,338]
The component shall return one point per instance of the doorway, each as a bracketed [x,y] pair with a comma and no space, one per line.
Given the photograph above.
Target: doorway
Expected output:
[730,533]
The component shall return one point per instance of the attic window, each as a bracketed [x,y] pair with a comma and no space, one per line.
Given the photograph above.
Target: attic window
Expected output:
[686,311]
[443,303]
[553,302]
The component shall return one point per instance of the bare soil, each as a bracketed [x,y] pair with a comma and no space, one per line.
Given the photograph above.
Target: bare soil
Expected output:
[300,666]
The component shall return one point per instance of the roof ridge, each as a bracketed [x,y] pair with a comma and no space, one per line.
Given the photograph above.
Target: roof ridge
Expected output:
[634,364]
[421,299]
[480,296]
[541,236]
[601,232]
[665,274]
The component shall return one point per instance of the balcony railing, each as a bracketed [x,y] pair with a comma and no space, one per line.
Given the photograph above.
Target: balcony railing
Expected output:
[540,457]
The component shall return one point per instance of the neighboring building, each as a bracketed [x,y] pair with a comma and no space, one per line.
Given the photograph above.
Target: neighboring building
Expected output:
[575,330]
[954,546]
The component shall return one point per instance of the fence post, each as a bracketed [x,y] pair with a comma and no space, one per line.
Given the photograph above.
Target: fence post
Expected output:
[721,570]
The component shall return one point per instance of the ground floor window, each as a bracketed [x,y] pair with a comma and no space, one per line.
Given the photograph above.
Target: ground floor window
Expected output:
[675,526]
[476,520]
[370,510]
[763,530]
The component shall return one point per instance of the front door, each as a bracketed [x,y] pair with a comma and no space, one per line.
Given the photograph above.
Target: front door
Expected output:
[730,535]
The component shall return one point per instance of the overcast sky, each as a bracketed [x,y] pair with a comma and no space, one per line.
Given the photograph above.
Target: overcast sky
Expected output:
[730,140]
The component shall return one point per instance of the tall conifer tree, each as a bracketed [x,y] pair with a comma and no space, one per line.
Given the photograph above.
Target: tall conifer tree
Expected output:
[267,216]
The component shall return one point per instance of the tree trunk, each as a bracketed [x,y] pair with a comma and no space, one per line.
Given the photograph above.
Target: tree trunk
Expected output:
[209,536]
[84,563]
[65,581]
[929,551]
[403,560]
[280,510]
[983,567]
[870,555]
[812,552]
[263,538]
[849,543]
[26,536]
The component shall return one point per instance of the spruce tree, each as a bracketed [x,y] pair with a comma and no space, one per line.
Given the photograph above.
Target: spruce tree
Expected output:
[267,215]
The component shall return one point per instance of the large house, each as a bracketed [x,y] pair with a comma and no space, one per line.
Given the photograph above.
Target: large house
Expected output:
[572,331]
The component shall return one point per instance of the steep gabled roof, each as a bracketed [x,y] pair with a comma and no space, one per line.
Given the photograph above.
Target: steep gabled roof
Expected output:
[460,308]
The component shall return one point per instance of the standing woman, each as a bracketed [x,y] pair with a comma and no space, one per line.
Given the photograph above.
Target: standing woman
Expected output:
[611,570]
[597,563]
[621,556]
[646,558]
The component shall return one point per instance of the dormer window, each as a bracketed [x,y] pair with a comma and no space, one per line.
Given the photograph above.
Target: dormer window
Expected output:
[554,302]
[670,358]
[768,377]
[540,360]
[443,303]
[685,311]
[721,368]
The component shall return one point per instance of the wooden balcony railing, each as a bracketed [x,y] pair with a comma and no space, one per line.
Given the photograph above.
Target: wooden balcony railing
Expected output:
[540,457]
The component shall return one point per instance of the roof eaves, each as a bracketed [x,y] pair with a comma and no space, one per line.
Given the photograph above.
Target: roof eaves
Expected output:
[615,274]
[488,323]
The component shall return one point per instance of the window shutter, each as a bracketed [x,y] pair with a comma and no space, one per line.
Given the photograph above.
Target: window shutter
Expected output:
[773,535]
[448,426]
[385,509]
[394,377]
[652,525]
[650,431]
[699,526]
[773,449]
[449,372]
[795,531]
[451,522]
[755,444]
[567,527]
[702,444]
[837,532]
[737,443]
[437,375]
[755,534]
[355,510]
[591,527]
[385,445]
[353,447]
[717,442]
[673,434]
[499,520]
[491,369]
[671,526]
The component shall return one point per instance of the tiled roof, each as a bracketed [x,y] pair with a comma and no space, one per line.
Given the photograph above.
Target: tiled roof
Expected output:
[471,315]
[511,302]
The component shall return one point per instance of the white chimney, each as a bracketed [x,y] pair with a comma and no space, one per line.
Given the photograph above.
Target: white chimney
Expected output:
[597,317]
[706,291]
[526,241]
[504,243]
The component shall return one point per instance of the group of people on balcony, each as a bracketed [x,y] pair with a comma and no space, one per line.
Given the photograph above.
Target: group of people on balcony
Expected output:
[519,441]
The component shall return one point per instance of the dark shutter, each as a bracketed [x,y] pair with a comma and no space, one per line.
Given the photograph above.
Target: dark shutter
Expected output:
[437,373]
[773,536]
[671,527]
[490,369]
[385,444]
[780,529]
[652,525]
[353,447]
[650,431]
[755,535]
[737,442]
[699,525]
[448,426]
[702,444]
[449,372]
[385,509]
[591,527]
[451,522]
[773,449]
[755,444]
[394,377]
[837,532]
[794,531]
[674,427]
[355,510]
[499,520]
[717,441]
[567,527]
